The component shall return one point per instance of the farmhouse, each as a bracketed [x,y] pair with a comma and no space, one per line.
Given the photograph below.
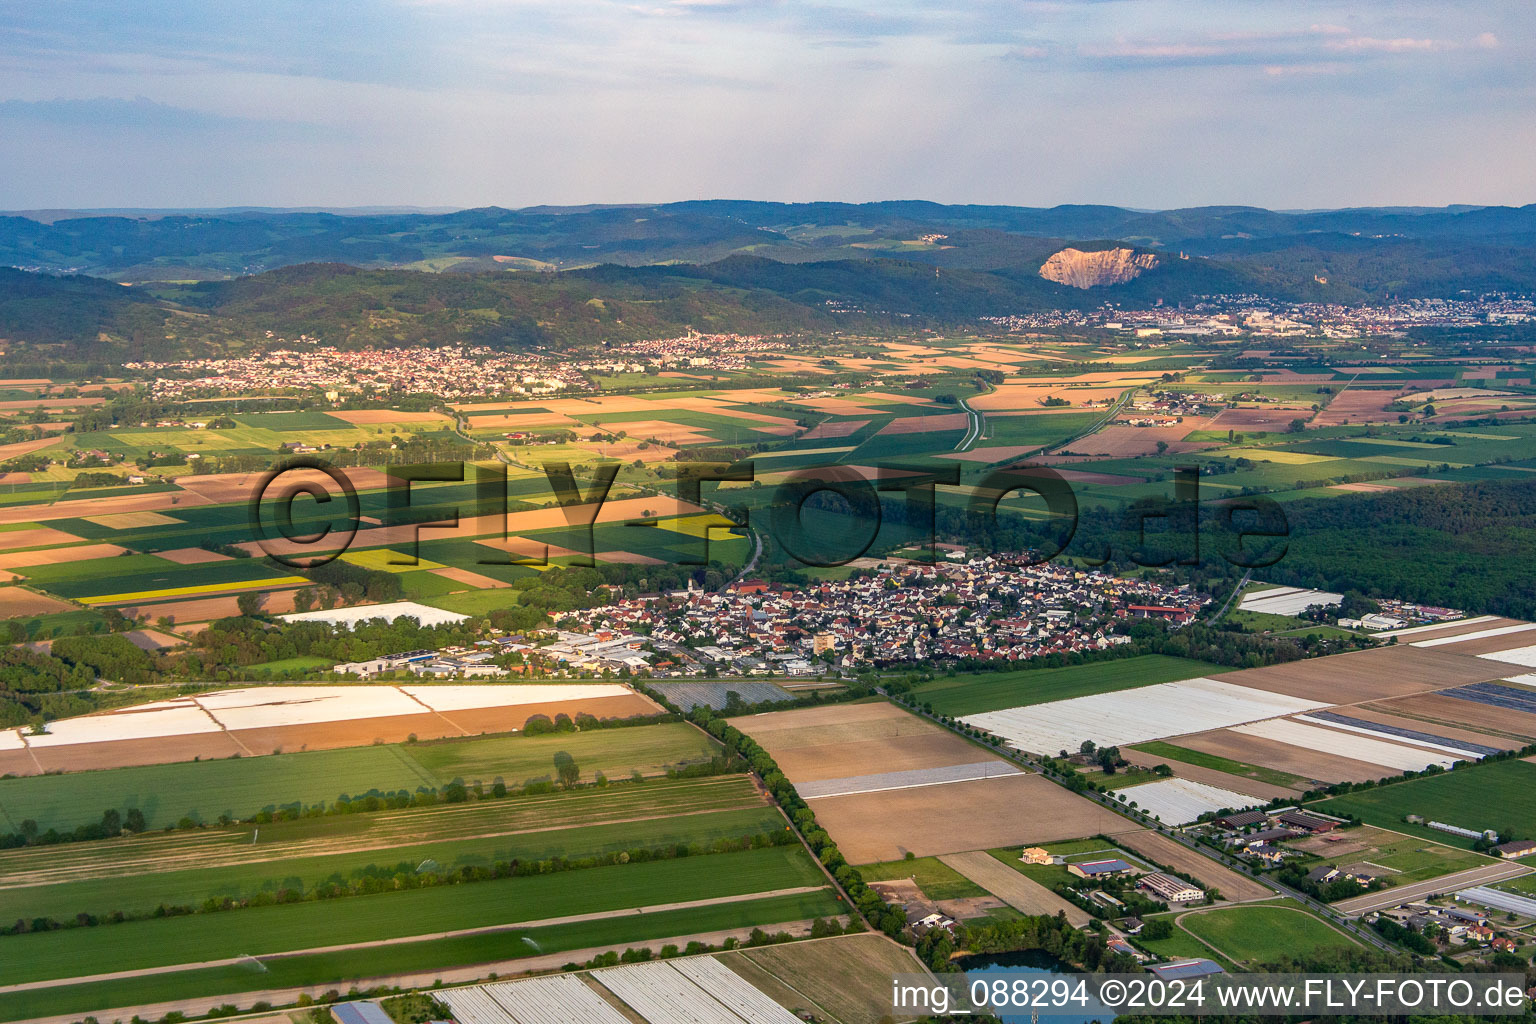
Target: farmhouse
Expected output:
[1169,889]
[1100,868]
[1036,855]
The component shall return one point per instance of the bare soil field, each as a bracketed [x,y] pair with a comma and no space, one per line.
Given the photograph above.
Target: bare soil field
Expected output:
[353,733]
[1437,709]
[224,488]
[470,579]
[10,451]
[1368,675]
[1357,405]
[505,719]
[87,507]
[997,454]
[523,421]
[922,424]
[1162,850]
[79,757]
[1015,397]
[1266,753]
[1126,441]
[833,406]
[360,417]
[15,601]
[18,762]
[626,558]
[867,757]
[933,820]
[132,520]
[833,428]
[1210,776]
[1362,488]
[202,609]
[192,556]
[14,540]
[59,556]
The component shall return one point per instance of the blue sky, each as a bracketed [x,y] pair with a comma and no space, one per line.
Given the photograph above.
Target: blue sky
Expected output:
[1148,103]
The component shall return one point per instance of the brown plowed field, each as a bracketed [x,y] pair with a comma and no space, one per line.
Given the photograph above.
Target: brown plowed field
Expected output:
[278,602]
[370,416]
[1368,675]
[1457,628]
[1162,850]
[833,428]
[17,762]
[359,732]
[1436,708]
[57,556]
[921,424]
[79,757]
[192,556]
[16,601]
[1266,753]
[982,814]
[1127,441]
[87,507]
[470,579]
[1358,405]
[13,540]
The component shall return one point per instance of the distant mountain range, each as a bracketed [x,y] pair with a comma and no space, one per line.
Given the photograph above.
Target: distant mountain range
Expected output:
[1370,250]
[205,281]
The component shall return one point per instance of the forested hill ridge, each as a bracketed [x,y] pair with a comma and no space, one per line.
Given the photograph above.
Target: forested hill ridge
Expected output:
[91,319]
[1363,253]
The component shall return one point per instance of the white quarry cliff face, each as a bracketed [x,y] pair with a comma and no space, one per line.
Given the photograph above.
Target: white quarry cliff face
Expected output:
[1079,269]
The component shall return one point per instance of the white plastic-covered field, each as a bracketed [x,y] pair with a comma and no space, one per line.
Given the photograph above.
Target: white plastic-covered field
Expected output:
[466,698]
[686,992]
[1342,744]
[144,722]
[350,617]
[1287,600]
[1134,716]
[267,707]
[1481,634]
[1519,656]
[275,707]
[1180,801]
[562,999]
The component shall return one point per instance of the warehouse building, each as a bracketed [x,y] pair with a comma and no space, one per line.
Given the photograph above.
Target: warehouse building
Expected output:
[1169,889]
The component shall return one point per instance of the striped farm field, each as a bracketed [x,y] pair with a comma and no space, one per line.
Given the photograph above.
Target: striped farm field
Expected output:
[322,969]
[259,931]
[141,892]
[1499,795]
[972,693]
[242,787]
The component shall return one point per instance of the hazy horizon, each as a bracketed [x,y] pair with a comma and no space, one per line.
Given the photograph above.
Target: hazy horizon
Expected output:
[1150,104]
